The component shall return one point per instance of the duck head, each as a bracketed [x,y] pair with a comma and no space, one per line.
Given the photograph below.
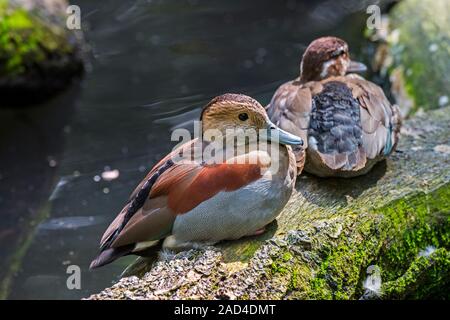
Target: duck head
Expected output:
[238,111]
[326,57]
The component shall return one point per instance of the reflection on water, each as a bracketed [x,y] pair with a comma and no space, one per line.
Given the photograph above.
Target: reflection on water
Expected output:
[154,65]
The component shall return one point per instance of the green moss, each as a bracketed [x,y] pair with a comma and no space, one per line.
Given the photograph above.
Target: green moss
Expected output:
[319,288]
[410,225]
[25,40]
[245,253]
[421,50]
[277,267]
[427,219]
[295,279]
[416,223]
[287,257]
[423,279]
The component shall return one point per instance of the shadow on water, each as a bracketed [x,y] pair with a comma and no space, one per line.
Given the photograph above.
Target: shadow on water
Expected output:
[31,145]
[154,65]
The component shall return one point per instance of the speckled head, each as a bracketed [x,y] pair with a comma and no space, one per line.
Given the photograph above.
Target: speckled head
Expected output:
[233,111]
[238,111]
[326,57]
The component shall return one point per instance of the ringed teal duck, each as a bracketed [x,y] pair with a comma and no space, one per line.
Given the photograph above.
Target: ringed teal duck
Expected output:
[189,202]
[347,122]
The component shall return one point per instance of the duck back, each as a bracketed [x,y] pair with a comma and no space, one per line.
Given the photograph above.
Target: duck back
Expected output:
[335,126]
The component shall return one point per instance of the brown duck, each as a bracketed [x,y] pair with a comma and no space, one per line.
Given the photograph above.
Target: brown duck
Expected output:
[187,203]
[346,122]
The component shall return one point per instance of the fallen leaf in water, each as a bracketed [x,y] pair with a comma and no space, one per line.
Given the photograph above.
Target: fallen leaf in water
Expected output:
[110,175]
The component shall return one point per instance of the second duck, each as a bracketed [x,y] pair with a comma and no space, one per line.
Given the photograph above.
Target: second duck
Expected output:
[347,122]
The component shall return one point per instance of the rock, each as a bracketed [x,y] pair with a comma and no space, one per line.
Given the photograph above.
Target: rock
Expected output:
[39,55]
[414,50]
[322,244]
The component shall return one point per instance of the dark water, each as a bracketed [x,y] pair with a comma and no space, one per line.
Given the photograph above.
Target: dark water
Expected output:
[154,64]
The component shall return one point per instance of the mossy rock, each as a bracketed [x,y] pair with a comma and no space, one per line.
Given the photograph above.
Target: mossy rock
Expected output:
[38,54]
[415,52]
[397,218]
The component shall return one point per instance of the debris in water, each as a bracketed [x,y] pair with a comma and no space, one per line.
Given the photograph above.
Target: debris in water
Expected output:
[52,162]
[59,186]
[70,223]
[110,175]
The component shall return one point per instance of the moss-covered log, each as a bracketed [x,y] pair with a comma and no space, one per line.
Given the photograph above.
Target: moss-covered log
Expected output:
[396,218]
[38,54]
[414,51]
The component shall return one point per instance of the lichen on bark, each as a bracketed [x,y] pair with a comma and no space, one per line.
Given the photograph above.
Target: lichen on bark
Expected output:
[330,232]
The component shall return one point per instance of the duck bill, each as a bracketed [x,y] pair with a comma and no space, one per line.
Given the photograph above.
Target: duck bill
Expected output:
[356,66]
[277,135]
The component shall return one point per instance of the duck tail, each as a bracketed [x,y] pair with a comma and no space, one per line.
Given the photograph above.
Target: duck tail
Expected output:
[109,255]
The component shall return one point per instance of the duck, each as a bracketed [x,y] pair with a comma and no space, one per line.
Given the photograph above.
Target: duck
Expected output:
[346,121]
[196,197]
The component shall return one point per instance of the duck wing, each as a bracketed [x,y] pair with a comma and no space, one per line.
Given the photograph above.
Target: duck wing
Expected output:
[290,109]
[334,134]
[170,189]
[380,121]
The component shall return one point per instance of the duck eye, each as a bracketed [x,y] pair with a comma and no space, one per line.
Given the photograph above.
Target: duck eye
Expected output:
[336,53]
[243,116]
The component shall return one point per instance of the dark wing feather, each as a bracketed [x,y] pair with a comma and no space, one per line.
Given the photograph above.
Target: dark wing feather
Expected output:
[335,134]
[109,255]
[137,204]
[380,120]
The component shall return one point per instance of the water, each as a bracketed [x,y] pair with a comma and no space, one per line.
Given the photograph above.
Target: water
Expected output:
[154,64]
